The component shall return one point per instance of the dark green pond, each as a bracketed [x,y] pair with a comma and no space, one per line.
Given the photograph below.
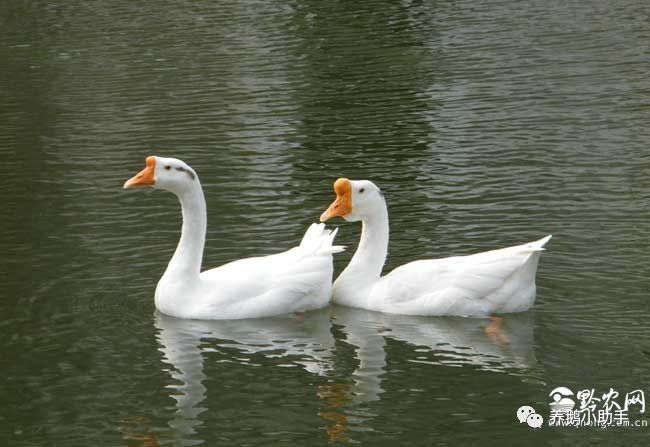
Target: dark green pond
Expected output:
[486,123]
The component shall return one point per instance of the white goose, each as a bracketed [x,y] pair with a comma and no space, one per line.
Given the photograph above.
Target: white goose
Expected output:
[299,279]
[498,281]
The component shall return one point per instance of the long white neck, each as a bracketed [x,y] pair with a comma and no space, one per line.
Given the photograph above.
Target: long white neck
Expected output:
[368,261]
[188,256]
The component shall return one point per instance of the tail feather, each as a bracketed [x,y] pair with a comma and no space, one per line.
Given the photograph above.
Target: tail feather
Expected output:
[539,245]
[318,240]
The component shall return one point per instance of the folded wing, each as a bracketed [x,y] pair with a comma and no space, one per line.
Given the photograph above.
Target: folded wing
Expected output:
[494,281]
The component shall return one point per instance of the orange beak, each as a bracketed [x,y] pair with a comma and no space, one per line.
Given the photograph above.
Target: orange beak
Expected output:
[144,177]
[342,206]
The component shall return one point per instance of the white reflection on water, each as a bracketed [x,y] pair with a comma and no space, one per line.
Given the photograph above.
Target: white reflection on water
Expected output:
[497,344]
[304,339]
[500,344]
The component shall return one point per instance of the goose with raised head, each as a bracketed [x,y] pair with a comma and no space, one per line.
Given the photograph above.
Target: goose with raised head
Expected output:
[497,281]
[299,279]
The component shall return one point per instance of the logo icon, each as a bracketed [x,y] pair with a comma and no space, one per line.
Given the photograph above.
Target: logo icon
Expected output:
[589,408]
[561,399]
[528,415]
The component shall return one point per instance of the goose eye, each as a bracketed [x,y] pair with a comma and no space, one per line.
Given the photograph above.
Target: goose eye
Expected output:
[167,168]
[362,190]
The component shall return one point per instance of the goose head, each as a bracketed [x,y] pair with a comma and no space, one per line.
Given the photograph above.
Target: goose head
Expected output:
[355,200]
[170,174]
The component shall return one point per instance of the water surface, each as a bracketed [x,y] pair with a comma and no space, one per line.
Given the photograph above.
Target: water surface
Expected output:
[486,123]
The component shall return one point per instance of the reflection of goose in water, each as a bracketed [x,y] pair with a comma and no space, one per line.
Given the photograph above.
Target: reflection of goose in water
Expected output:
[495,344]
[307,340]
[304,339]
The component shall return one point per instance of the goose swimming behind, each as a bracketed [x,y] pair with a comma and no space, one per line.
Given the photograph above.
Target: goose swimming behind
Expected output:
[299,279]
[497,281]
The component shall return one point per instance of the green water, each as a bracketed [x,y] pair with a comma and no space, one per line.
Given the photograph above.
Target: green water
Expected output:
[486,124]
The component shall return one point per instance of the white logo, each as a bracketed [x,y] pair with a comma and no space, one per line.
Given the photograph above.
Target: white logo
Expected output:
[595,409]
[528,415]
[589,408]
[561,401]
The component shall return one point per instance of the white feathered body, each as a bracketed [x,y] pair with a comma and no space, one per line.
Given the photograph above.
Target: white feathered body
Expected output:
[299,279]
[497,281]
